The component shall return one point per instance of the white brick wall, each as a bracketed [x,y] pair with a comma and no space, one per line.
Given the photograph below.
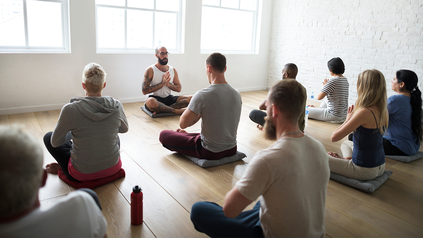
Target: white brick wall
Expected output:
[383,34]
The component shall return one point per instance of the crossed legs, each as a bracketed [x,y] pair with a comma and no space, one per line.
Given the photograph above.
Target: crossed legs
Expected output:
[258,116]
[346,167]
[177,107]
[209,218]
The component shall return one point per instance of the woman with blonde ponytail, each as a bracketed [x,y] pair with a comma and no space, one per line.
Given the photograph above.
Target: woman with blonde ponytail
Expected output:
[364,158]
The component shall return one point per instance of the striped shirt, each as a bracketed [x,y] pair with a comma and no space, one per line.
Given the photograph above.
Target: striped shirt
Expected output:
[337,90]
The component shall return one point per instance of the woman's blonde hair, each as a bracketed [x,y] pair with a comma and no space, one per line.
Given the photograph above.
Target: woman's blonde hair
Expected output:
[371,89]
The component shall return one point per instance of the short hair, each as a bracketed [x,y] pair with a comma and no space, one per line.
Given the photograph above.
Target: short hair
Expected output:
[94,77]
[336,65]
[94,74]
[21,170]
[289,96]
[217,61]
[292,70]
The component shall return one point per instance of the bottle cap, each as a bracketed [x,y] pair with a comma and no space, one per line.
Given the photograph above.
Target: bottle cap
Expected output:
[136,189]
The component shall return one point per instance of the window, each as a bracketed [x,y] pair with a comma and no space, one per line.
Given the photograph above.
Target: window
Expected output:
[138,26]
[230,26]
[34,26]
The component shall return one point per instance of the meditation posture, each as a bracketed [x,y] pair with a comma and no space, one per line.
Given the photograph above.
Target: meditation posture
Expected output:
[404,133]
[335,108]
[219,107]
[159,80]
[364,158]
[289,71]
[22,175]
[290,178]
[85,142]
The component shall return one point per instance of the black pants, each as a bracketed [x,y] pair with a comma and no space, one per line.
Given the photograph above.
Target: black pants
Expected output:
[258,116]
[390,149]
[61,154]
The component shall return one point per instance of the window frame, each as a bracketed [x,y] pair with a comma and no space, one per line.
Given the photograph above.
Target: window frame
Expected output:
[43,49]
[256,29]
[179,32]
[255,41]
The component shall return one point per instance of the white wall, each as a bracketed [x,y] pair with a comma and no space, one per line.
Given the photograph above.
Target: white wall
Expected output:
[366,34]
[38,82]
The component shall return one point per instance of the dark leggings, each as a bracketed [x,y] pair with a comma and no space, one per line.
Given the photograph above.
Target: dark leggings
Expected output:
[258,116]
[389,148]
[61,154]
[93,194]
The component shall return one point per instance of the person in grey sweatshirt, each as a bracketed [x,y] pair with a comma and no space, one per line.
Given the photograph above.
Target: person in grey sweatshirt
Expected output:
[85,142]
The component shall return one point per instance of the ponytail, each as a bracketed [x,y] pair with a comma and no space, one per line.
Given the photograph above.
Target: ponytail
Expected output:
[416,115]
[410,79]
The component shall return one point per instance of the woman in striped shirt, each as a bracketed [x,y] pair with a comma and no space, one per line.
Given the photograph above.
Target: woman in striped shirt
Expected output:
[336,90]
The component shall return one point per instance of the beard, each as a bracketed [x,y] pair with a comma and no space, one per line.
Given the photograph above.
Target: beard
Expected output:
[162,62]
[269,128]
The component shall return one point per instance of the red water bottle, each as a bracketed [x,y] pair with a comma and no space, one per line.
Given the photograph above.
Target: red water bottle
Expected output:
[136,206]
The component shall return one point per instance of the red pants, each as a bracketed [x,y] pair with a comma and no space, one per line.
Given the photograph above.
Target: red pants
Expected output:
[190,144]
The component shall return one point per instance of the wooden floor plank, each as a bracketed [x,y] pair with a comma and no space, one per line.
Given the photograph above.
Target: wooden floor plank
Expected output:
[47,120]
[163,215]
[339,225]
[369,217]
[4,120]
[175,180]
[213,178]
[29,121]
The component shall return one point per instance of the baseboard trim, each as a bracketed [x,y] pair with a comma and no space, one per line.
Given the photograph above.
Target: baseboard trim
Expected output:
[40,108]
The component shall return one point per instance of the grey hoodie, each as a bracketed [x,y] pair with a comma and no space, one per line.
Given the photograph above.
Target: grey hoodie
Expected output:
[93,123]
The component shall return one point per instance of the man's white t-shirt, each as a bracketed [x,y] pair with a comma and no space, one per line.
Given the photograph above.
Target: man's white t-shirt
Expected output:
[291,178]
[76,215]
[158,78]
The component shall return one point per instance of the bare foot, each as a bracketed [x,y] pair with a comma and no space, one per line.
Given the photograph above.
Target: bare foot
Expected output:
[181,130]
[336,155]
[260,127]
[52,168]
[180,111]
[310,105]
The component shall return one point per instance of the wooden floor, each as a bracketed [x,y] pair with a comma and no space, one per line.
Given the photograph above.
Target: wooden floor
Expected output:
[171,184]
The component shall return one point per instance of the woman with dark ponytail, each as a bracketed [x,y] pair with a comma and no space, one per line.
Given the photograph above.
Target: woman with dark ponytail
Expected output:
[404,133]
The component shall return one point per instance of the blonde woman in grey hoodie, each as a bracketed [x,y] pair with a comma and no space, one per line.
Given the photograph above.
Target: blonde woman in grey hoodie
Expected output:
[85,142]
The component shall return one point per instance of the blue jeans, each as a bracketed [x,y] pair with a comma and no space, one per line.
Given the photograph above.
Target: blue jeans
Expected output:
[209,218]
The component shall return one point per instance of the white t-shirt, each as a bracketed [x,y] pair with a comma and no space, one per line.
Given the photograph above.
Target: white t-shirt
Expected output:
[76,215]
[158,78]
[291,176]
